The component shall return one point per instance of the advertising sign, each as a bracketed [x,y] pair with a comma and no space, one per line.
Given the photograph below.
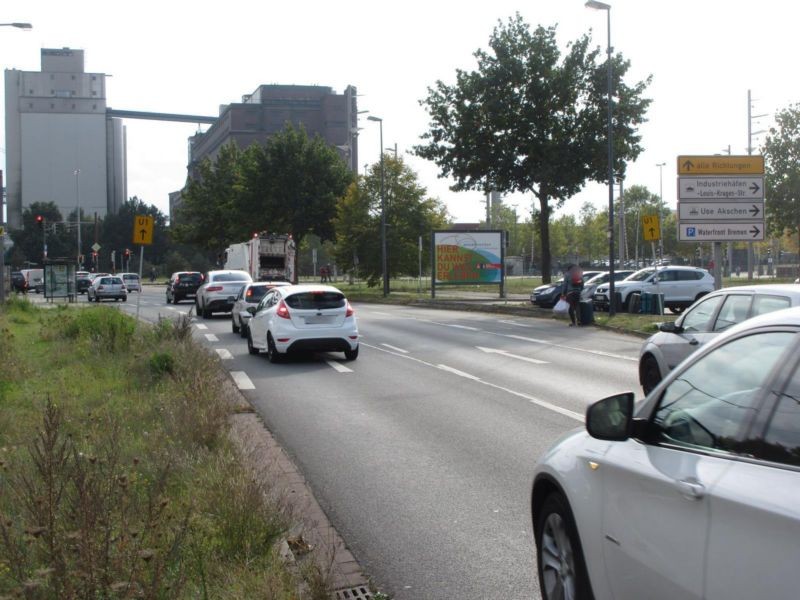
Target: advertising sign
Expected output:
[467,257]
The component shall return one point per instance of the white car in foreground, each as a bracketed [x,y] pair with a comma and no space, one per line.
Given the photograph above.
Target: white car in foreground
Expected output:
[300,318]
[692,493]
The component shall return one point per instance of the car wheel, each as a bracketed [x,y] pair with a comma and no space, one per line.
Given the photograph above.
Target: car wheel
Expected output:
[272,352]
[650,374]
[250,348]
[351,354]
[176,299]
[676,310]
[243,330]
[235,328]
[168,300]
[125,299]
[562,571]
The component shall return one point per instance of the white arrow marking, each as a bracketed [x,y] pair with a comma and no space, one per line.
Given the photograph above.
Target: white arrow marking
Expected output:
[535,361]
[395,348]
[242,381]
[224,354]
[339,367]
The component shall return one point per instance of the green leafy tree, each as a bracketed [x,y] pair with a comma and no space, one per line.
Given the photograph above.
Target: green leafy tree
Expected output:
[529,119]
[782,156]
[116,233]
[28,241]
[410,213]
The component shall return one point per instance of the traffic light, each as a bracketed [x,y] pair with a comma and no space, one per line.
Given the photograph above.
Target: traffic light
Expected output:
[40,221]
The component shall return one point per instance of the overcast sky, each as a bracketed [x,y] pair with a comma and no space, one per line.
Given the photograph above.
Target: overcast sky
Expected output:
[192,56]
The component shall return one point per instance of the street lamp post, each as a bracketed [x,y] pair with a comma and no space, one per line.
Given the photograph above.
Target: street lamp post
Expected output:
[660,199]
[611,291]
[384,269]
[77,173]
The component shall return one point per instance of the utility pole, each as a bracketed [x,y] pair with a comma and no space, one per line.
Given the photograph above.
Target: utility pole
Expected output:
[750,134]
[77,173]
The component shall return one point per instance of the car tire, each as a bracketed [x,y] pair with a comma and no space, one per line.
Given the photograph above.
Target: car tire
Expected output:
[124,299]
[351,354]
[650,374]
[676,310]
[234,327]
[168,300]
[560,560]
[250,348]
[243,330]
[176,299]
[272,352]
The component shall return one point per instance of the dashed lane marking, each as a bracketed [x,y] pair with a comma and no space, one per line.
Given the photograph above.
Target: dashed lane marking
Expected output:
[395,348]
[535,361]
[201,326]
[211,337]
[224,354]
[242,381]
[588,351]
[338,366]
[457,372]
[171,308]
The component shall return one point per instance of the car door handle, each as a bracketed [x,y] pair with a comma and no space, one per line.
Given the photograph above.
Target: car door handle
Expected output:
[693,342]
[691,489]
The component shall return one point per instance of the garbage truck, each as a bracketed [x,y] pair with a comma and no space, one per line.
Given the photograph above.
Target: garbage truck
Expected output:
[266,256]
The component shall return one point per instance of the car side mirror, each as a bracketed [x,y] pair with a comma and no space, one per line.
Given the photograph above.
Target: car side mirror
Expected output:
[251,310]
[670,327]
[611,418]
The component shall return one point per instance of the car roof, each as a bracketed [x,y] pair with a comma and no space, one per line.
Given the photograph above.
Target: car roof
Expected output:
[792,289]
[269,283]
[308,287]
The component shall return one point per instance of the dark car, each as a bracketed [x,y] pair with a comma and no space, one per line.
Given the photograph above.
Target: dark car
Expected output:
[83,281]
[546,296]
[183,285]
[18,282]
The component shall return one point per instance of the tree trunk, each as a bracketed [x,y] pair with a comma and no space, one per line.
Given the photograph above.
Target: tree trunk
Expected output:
[544,238]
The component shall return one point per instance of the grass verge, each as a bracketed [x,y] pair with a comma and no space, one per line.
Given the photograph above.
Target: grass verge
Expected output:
[117,476]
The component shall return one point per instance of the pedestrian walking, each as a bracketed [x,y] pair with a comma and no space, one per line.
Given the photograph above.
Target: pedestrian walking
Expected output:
[571,290]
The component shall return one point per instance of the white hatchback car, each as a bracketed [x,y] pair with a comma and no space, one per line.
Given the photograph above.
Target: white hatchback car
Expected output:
[707,318]
[298,318]
[681,286]
[107,286]
[692,493]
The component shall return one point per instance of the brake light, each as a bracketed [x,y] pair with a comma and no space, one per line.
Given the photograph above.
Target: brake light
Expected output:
[214,288]
[249,293]
[350,312]
[283,311]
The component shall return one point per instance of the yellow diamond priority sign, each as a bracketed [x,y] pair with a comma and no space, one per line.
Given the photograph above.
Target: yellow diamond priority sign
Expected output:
[143,230]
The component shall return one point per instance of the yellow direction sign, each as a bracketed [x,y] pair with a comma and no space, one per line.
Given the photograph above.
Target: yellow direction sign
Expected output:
[651,228]
[721,165]
[143,230]
[2,231]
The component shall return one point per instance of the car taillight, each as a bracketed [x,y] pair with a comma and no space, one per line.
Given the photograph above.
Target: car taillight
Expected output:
[249,293]
[282,311]
[350,312]
[214,288]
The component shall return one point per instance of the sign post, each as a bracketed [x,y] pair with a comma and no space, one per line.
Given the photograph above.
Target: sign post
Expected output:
[142,235]
[720,199]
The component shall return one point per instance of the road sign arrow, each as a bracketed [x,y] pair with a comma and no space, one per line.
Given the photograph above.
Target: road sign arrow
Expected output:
[143,233]
[754,188]
[755,210]
[535,361]
[688,165]
[652,232]
[755,231]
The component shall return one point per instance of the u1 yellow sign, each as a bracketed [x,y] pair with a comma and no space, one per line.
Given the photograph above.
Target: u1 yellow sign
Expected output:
[143,230]
[721,165]
[651,228]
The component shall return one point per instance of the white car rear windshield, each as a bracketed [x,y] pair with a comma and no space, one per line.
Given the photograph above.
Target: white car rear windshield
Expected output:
[316,300]
[225,277]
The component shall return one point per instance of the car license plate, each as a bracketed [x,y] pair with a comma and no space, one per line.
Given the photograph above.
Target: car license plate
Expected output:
[319,320]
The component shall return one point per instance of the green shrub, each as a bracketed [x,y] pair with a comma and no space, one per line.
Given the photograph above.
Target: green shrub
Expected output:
[162,363]
[107,327]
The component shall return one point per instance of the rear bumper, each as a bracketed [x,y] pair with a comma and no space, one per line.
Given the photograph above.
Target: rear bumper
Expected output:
[219,304]
[338,344]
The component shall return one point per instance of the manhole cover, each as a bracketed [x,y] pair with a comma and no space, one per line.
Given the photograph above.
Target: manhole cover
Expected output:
[356,593]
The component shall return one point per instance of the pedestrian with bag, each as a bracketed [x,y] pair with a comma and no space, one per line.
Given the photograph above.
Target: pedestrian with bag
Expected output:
[571,290]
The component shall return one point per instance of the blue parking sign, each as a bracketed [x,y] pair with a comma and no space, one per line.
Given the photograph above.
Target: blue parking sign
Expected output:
[691,232]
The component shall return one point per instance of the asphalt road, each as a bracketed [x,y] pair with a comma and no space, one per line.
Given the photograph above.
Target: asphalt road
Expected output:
[421,451]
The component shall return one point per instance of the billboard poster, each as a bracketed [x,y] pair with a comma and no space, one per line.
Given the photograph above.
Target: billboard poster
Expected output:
[468,257]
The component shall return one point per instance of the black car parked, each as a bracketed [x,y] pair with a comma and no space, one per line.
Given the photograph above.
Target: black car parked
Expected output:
[83,280]
[183,285]
[18,282]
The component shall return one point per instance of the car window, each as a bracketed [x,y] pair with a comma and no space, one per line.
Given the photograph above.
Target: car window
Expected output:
[316,300]
[734,310]
[781,441]
[700,315]
[106,280]
[641,275]
[266,301]
[255,293]
[711,403]
[667,275]
[763,304]
[189,278]
[228,277]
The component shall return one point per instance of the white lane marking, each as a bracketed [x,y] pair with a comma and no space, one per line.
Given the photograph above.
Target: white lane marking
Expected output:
[532,399]
[171,308]
[595,352]
[242,381]
[224,353]
[457,372]
[211,337]
[515,324]
[201,326]
[461,327]
[535,361]
[395,348]
[383,314]
[338,366]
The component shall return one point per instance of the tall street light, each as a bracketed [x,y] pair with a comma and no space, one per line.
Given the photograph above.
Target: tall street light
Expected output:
[611,292]
[77,173]
[660,199]
[384,269]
